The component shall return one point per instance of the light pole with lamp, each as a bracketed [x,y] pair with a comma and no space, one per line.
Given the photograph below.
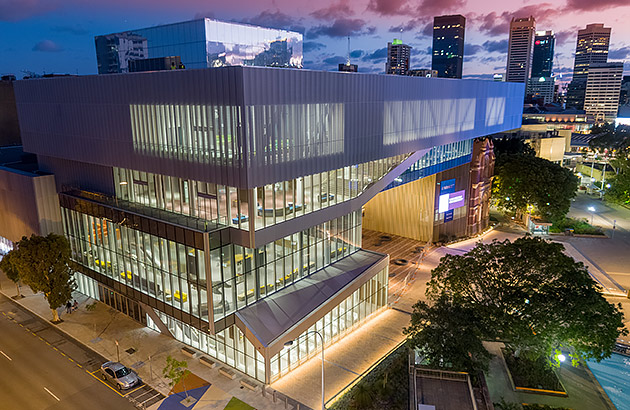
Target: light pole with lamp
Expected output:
[289,343]
[592,210]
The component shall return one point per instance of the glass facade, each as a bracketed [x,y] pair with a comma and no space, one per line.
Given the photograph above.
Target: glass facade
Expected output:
[168,271]
[230,345]
[436,160]
[274,203]
[176,274]
[366,300]
[448,45]
[241,276]
[201,43]
[211,134]
[410,120]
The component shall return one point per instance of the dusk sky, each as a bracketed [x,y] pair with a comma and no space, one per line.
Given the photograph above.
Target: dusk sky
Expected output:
[58,35]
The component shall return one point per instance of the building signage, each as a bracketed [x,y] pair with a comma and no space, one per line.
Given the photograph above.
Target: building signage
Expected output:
[448,215]
[447,186]
[453,200]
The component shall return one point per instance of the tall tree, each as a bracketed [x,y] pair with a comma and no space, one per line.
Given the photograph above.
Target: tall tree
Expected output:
[619,191]
[523,182]
[43,265]
[8,265]
[531,295]
[448,335]
[510,146]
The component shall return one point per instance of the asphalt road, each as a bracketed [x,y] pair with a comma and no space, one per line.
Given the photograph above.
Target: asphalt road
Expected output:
[36,371]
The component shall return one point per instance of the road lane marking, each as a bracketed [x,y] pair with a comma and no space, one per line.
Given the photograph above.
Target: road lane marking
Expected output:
[105,383]
[129,392]
[5,355]
[51,393]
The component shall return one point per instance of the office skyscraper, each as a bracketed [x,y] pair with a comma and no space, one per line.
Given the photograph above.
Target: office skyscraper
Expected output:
[520,49]
[591,48]
[603,86]
[397,57]
[448,45]
[542,60]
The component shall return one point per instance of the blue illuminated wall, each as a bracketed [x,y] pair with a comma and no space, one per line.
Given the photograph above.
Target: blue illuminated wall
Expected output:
[437,160]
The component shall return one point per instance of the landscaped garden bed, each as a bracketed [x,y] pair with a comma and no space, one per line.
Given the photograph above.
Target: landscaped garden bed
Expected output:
[579,226]
[543,407]
[532,375]
[385,387]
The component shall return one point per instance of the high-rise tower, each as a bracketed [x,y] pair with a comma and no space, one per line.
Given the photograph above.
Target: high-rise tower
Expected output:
[448,45]
[542,60]
[591,48]
[397,57]
[520,49]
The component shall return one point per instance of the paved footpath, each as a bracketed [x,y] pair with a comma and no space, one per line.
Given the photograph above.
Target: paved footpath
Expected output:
[101,328]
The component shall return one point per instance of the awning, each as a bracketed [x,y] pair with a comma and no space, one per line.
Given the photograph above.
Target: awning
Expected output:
[296,307]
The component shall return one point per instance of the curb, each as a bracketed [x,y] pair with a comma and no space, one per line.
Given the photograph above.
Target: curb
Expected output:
[66,334]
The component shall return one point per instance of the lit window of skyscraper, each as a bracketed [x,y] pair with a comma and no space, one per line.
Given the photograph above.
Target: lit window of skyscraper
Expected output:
[448,45]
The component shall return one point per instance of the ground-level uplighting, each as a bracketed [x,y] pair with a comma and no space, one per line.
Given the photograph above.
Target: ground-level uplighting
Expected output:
[289,343]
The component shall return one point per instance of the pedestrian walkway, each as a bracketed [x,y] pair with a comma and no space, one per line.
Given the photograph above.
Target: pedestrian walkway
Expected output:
[609,285]
[140,349]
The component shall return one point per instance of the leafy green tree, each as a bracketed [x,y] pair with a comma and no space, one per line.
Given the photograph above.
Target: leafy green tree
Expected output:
[448,335]
[606,136]
[510,146]
[175,371]
[43,265]
[619,191]
[531,295]
[8,265]
[524,183]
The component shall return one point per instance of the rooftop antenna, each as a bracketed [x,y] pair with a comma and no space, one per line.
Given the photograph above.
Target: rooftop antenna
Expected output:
[348,60]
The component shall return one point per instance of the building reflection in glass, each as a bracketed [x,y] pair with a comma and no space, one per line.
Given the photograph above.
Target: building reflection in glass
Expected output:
[201,43]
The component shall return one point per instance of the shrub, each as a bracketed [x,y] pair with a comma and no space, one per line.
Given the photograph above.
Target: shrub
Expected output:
[579,226]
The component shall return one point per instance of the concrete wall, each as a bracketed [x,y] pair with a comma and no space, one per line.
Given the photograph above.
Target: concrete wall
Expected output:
[28,205]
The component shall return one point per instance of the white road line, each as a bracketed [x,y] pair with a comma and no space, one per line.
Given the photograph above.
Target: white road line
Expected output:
[5,355]
[51,393]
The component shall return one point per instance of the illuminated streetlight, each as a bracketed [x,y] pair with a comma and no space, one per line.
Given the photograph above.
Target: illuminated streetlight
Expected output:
[592,211]
[562,357]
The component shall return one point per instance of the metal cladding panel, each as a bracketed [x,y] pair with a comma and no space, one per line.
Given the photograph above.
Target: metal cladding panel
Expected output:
[250,126]
[87,119]
[369,116]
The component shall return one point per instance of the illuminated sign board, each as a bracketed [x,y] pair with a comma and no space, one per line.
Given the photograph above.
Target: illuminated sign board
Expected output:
[452,200]
[447,186]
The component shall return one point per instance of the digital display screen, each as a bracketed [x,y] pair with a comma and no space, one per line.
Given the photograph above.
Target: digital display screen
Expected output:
[452,200]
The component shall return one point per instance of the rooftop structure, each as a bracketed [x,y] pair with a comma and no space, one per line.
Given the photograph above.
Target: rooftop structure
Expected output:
[200,43]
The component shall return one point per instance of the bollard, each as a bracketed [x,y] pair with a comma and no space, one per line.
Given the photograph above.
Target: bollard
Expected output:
[274,396]
[263,389]
[286,402]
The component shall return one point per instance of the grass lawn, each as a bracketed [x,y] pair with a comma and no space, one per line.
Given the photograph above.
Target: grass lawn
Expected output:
[236,404]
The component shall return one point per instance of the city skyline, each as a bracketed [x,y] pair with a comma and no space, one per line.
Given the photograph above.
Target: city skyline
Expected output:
[58,36]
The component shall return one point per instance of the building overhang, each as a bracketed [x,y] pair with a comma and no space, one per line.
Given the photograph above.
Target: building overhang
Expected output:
[286,314]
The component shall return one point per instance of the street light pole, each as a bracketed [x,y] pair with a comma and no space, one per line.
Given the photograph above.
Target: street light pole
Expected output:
[290,343]
[592,210]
